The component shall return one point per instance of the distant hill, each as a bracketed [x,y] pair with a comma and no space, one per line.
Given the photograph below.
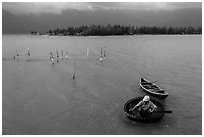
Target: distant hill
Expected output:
[12,24]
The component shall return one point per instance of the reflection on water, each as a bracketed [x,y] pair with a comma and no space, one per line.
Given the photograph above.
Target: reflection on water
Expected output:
[42,98]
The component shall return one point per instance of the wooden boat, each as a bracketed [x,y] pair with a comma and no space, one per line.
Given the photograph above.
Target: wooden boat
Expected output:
[152,89]
[136,117]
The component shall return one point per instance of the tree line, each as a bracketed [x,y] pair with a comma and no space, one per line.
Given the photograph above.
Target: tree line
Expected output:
[94,30]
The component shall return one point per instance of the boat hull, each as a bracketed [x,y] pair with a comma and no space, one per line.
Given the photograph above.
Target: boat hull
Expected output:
[154,117]
[152,92]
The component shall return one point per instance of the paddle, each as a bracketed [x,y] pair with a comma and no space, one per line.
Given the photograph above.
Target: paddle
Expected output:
[165,111]
[133,111]
[150,82]
[131,107]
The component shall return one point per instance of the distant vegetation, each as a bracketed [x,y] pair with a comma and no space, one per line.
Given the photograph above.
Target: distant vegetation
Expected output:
[99,30]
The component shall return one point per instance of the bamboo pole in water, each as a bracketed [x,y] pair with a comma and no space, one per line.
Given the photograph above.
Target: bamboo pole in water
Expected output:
[101,51]
[87,52]
[104,53]
[73,77]
[57,55]
[62,55]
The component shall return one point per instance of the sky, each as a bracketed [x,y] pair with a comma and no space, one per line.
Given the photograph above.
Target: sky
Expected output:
[58,7]
[45,15]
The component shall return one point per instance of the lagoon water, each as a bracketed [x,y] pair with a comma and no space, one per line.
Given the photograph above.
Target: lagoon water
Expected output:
[41,98]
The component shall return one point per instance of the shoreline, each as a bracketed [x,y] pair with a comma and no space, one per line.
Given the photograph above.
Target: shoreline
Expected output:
[103,35]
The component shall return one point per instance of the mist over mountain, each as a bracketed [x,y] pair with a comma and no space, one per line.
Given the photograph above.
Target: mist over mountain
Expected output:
[24,23]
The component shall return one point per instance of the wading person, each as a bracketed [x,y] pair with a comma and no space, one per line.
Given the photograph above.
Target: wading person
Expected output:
[57,56]
[52,60]
[17,53]
[28,55]
[144,107]
[101,59]
[66,55]
[51,55]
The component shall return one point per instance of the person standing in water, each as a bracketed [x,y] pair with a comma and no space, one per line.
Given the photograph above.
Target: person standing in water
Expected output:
[66,55]
[17,53]
[52,57]
[101,58]
[87,52]
[53,60]
[28,55]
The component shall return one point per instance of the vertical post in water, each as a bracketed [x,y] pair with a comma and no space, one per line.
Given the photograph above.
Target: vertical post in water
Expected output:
[57,55]
[104,52]
[73,77]
[101,51]
[87,51]
[14,56]
[62,55]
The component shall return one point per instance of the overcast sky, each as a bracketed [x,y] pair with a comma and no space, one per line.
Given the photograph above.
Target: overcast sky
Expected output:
[57,8]
[21,17]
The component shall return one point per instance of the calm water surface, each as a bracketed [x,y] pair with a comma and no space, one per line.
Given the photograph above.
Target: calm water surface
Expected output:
[41,98]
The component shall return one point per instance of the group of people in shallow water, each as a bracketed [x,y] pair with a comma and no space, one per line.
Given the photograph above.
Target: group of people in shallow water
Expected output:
[52,56]
[28,54]
[102,57]
[145,107]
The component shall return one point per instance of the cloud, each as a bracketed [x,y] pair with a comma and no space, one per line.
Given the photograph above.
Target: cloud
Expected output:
[185,5]
[147,5]
[43,7]
[130,5]
[58,7]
